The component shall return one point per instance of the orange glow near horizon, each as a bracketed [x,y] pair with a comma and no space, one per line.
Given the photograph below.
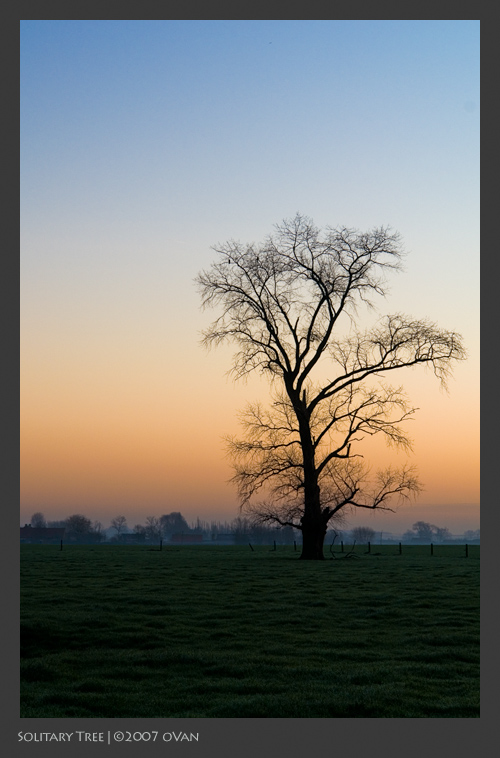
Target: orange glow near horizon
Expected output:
[106,447]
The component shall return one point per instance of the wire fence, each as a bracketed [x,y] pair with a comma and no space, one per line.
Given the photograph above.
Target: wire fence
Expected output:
[432,549]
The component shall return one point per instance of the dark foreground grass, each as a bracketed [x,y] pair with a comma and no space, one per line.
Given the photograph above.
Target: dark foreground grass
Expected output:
[109,632]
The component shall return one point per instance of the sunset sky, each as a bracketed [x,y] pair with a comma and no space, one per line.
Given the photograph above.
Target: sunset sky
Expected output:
[144,143]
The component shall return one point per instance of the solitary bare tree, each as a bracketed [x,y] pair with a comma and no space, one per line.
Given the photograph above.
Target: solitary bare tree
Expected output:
[120,524]
[38,520]
[282,303]
[363,534]
[153,529]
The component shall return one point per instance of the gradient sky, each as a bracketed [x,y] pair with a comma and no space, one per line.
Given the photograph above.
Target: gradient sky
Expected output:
[144,143]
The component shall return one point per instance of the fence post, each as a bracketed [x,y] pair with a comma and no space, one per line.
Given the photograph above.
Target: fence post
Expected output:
[274,541]
[251,548]
[161,544]
[294,545]
[369,548]
[341,547]
[400,549]
[432,549]
[61,545]
[466,551]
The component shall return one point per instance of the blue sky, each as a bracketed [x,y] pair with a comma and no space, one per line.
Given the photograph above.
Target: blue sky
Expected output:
[143,143]
[233,117]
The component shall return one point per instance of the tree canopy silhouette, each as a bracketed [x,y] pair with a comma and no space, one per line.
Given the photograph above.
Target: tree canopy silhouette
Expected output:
[283,305]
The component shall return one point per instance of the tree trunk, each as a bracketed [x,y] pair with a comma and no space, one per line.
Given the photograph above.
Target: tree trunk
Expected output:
[313,537]
[312,523]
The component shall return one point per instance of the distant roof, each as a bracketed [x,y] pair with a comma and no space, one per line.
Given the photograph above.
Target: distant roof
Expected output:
[41,532]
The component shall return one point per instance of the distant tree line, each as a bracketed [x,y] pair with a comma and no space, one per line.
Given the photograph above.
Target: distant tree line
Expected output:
[77,528]
[424,532]
[421,533]
[241,530]
[81,530]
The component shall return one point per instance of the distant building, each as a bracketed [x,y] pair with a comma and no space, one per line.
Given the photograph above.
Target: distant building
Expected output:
[41,535]
[130,538]
[188,538]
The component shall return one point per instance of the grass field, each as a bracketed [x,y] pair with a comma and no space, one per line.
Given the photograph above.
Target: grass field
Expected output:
[225,632]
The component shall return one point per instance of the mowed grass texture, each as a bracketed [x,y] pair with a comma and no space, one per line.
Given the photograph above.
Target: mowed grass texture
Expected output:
[225,632]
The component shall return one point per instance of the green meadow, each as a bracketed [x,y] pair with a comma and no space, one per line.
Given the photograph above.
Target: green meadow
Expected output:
[224,632]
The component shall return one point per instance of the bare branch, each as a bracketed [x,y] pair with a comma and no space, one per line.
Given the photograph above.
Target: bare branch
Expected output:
[281,305]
